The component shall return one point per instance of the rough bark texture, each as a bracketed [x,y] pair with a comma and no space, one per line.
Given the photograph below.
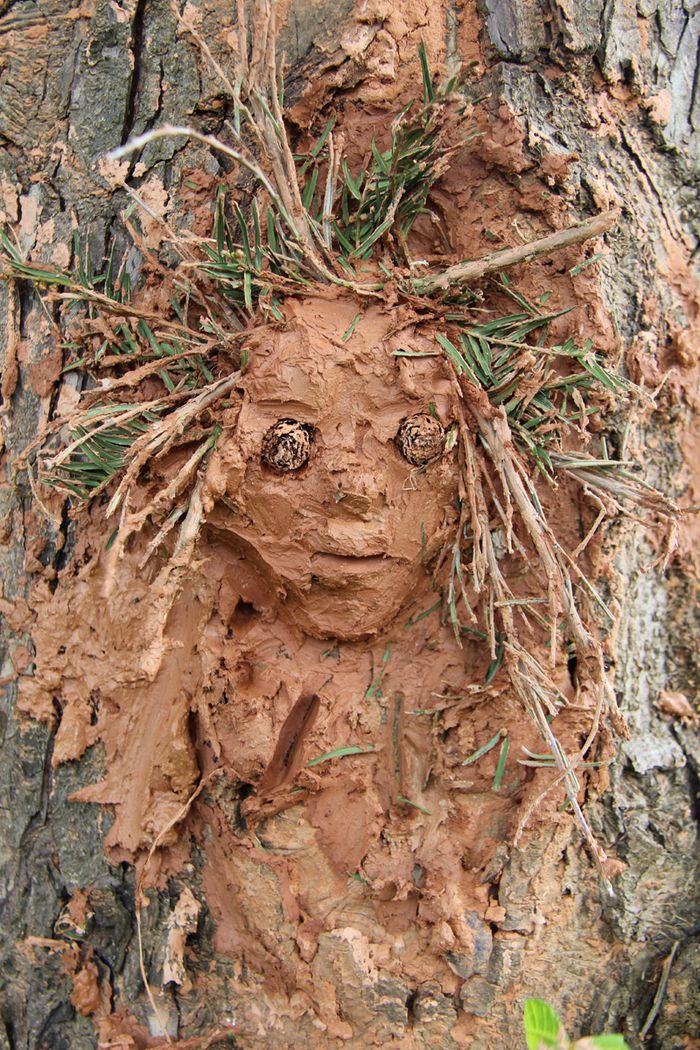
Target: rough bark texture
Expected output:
[613,92]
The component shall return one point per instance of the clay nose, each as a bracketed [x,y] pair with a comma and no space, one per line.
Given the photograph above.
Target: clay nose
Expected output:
[355,503]
[357,493]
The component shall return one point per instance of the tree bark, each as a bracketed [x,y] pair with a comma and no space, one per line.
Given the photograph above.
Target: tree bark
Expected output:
[605,100]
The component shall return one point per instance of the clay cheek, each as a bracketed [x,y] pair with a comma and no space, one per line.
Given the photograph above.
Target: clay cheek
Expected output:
[417,514]
[268,511]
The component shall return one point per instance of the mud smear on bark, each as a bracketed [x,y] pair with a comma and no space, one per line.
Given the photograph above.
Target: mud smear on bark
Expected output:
[319,562]
[313,585]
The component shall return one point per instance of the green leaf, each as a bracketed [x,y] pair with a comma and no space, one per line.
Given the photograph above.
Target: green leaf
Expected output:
[410,353]
[422,615]
[309,189]
[257,236]
[380,159]
[344,242]
[367,243]
[495,665]
[415,805]
[340,752]
[271,234]
[245,240]
[353,325]
[483,750]
[10,248]
[574,271]
[428,90]
[542,1025]
[457,359]
[322,139]
[500,768]
[353,186]
[220,221]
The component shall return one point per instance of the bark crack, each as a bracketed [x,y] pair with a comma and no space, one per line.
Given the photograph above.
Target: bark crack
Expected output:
[136,47]
[631,148]
[695,90]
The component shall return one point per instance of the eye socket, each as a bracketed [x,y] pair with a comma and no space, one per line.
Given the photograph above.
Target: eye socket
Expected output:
[420,439]
[287,445]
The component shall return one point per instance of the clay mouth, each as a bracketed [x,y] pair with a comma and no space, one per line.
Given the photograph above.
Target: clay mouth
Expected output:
[347,563]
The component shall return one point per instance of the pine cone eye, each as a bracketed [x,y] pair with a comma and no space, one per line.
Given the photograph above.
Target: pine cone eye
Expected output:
[287,445]
[420,438]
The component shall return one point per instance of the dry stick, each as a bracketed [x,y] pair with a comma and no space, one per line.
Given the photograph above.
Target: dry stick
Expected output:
[180,131]
[329,195]
[496,434]
[279,196]
[134,377]
[189,530]
[10,372]
[221,1035]
[559,581]
[497,446]
[166,495]
[79,293]
[571,783]
[162,434]
[465,272]
[267,122]
[623,486]
[281,155]
[603,513]
[109,419]
[660,991]
[534,805]
[173,238]
[55,519]
[163,531]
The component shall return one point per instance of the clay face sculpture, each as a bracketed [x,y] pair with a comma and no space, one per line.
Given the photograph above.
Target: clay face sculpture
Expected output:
[337,476]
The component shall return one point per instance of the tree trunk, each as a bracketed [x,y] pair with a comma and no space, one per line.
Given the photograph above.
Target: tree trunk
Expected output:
[596,104]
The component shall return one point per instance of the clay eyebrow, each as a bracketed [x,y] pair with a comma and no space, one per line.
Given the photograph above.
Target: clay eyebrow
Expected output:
[285,407]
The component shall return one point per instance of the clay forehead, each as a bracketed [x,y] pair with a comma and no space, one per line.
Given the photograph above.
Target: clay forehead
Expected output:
[318,376]
[309,370]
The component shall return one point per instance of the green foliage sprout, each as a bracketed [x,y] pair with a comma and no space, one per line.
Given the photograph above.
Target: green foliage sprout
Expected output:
[544,1031]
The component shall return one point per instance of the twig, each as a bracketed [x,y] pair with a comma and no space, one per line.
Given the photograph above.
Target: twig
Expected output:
[296,221]
[660,991]
[137,375]
[161,435]
[10,373]
[465,272]
[530,681]
[181,131]
[221,1035]
[602,514]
